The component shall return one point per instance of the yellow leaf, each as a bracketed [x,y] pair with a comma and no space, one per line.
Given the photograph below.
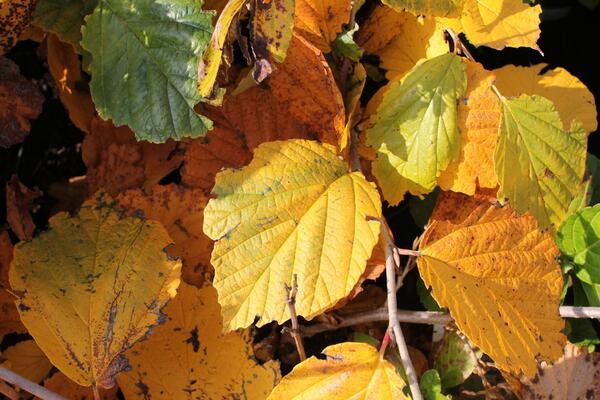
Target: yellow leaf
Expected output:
[319,21]
[351,371]
[430,8]
[500,23]
[27,359]
[63,63]
[272,26]
[498,275]
[211,58]
[91,286]
[9,316]
[15,16]
[478,122]
[576,375]
[60,384]
[400,39]
[293,210]
[189,356]
[180,211]
[570,96]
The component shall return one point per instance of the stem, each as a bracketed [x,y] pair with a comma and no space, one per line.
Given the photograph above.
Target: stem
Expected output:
[290,299]
[96,392]
[25,384]
[390,272]
[427,317]
[407,252]
[384,343]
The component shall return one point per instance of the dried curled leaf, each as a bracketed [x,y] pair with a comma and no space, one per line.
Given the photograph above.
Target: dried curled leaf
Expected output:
[498,275]
[570,96]
[109,275]
[320,21]
[478,121]
[415,128]
[20,101]
[180,211]
[351,371]
[539,163]
[575,376]
[65,68]
[282,215]
[195,357]
[15,16]
[400,39]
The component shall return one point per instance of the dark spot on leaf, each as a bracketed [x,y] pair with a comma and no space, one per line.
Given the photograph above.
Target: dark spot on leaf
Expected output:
[193,339]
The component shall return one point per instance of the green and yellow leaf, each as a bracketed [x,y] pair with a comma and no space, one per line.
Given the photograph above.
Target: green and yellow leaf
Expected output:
[430,8]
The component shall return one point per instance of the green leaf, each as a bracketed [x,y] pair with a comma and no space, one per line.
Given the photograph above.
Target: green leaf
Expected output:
[421,209]
[345,45]
[579,239]
[145,55]
[426,298]
[454,361]
[415,130]
[581,332]
[431,386]
[430,8]
[539,164]
[64,18]
[592,169]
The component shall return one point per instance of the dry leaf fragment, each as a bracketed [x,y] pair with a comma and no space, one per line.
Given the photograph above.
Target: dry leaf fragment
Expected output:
[498,275]
[20,101]
[15,16]
[119,169]
[60,384]
[28,360]
[190,356]
[320,21]
[479,121]
[575,376]
[19,202]
[351,371]
[64,65]
[180,210]
[109,276]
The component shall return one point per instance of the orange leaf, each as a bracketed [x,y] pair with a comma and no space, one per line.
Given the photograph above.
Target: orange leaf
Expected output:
[20,101]
[15,16]
[180,211]
[60,384]
[9,316]
[479,120]
[65,68]
[498,275]
[320,21]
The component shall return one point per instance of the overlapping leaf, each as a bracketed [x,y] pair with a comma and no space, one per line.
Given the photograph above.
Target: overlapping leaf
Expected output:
[570,96]
[63,386]
[108,275]
[415,128]
[479,119]
[320,21]
[282,215]
[430,8]
[400,39]
[579,239]
[27,359]
[9,316]
[538,163]
[189,356]
[498,275]
[144,65]
[272,28]
[64,18]
[351,371]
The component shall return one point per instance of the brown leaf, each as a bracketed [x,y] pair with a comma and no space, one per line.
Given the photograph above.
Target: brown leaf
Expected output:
[19,201]
[116,161]
[180,211]
[576,375]
[20,101]
[15,16]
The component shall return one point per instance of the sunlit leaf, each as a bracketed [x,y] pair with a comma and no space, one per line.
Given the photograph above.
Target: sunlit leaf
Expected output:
[15,16]
[431,386]
[351,371]
[455,360]
[539,164]
[498,275]
[144,65]
[272,28]
[479,119]
[281,215]
[63,386]
[108,275]
[320,21]
[415,128]
[190,357]
[430,8]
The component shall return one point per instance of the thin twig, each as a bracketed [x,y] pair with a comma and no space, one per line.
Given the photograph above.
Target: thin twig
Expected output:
[25,384]
[290,299]
[425,317]
[390,272]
